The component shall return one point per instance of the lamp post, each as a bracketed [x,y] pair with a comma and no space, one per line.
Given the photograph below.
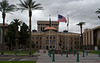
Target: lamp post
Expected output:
[77,56]
[67,53]
[53,57]
[74,52]
[86,53]
[99,53]
[83,53]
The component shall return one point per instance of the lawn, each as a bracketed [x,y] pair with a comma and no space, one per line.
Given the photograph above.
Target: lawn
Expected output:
[92,52]
[19,52]
[17,61]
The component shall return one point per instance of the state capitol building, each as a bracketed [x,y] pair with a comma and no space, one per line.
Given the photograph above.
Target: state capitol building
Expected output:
[48,37]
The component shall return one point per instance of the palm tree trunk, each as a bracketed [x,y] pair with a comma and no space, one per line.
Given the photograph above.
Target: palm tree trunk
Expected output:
[16,40]
[30,15]
[3,16]
[11,47]
[81,39]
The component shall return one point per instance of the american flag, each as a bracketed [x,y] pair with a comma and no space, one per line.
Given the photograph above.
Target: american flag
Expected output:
[61,18]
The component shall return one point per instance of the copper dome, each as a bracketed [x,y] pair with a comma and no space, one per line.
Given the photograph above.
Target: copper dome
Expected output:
[52,28]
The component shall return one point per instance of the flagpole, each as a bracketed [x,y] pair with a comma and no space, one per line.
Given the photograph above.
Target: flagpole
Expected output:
[61,19]
[57,33]
[49,30]
[68,33]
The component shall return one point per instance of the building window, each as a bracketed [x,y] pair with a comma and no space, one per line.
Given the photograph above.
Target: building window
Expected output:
[36,46]
[33,37]
[75,43]
[41,28]
[53,46]
[46,24]
[71,42]
[50,41]
[36,42]
[47,37]
[36,37]
[53,41]
[50,37]
[40,47]
[47,41]
[71,38]
[53,37]
[40,42]
[64,47]
[60,41]
[75,38]
[50,46]
[40,38]
[63,42]
[63,38]
[60,38]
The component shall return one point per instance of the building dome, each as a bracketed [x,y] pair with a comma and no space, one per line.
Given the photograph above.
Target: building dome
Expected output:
[51,28]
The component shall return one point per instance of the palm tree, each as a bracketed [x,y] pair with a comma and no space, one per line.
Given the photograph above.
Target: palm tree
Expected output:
[29,5]
[98,12]
[81,38]
[5,8]
[16,23]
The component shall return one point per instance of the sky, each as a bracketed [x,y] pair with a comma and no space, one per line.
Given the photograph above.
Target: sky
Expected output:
[78,11]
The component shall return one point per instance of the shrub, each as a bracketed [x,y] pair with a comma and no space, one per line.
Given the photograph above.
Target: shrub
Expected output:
[98,44]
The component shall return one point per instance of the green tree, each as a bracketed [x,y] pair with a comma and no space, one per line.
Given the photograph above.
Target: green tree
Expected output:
[17,23]
[29,5]
[81,37]
[98,12]
[10,36]
[5,8]
[24,36]
[98,44]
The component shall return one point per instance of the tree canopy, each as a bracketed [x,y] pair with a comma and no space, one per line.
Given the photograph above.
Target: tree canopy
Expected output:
[81,23]
[13,33]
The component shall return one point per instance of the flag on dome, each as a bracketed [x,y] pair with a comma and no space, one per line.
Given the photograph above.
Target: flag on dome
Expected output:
[61,18]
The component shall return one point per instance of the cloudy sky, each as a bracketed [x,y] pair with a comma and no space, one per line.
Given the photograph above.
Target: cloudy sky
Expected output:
[78,11]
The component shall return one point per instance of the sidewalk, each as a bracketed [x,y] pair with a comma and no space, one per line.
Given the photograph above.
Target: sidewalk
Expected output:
[44,58]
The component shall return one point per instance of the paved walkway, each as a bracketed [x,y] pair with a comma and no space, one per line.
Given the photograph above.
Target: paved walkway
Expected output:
[44,58]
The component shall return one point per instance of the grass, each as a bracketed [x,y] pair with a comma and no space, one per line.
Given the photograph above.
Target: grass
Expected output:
[19,52]
[17,61]
[92,52]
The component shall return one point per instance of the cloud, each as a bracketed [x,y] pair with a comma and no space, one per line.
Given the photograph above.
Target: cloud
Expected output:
[78,10]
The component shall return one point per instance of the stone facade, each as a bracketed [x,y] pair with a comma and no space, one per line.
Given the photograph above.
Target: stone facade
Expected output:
[43,24]
[90,38]
[50,39]
[41,40]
